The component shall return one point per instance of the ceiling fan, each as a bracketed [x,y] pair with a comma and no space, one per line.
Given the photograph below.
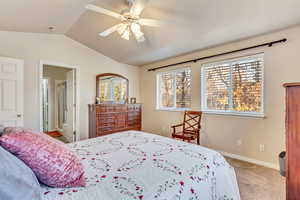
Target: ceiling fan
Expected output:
[130,20]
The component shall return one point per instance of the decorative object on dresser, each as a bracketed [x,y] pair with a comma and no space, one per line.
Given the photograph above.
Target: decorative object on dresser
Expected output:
[133,100]
[110,118]
[292,124]
[190,127]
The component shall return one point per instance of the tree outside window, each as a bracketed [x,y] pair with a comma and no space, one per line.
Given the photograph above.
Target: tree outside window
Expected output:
[234,86]
[174,89]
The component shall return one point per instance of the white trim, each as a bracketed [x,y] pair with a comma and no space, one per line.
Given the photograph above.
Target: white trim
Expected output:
[231,62]
[56,82]
[232,113]
[173,109]
[251,160]
[49,105]
[77,85]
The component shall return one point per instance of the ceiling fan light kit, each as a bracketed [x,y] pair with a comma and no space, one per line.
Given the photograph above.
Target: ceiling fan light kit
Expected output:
[130,20]
[126,34]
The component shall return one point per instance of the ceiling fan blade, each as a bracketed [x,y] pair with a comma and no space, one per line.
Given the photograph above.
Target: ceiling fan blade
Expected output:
[150,22]
[103,11]
[110,30]
[138,7]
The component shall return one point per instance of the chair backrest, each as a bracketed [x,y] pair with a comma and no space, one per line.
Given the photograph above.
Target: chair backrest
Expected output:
[191,122]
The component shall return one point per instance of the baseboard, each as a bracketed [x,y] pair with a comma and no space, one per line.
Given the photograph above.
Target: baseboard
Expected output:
[251,160]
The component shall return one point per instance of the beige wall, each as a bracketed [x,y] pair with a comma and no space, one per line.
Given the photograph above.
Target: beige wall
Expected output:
[222,132]
[32,48]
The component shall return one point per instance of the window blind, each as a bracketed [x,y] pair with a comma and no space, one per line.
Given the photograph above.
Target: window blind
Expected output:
[174,89]
[183,89]
[234,86]
[167,90]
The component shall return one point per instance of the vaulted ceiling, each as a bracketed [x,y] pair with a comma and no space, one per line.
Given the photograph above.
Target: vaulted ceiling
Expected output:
[188,24]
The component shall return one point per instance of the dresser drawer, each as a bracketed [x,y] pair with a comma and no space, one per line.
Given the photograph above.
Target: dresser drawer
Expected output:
[104,109]
[110,118]
[134,107]
[106,123]
[120,108]
[130,118]
[105,116]
[120,120]
[103,129]
[133,114]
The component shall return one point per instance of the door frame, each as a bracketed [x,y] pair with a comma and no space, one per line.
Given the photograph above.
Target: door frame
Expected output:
[56,102]
[77,85]
[48,93]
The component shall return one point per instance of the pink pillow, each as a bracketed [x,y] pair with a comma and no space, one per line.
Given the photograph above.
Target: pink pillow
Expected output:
[17,129]
[52,162]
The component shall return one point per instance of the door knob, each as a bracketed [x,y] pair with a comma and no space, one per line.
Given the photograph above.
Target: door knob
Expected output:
[19,115]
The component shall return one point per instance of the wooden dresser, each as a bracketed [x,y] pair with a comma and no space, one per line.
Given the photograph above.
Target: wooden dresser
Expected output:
[110,118]
[292,141]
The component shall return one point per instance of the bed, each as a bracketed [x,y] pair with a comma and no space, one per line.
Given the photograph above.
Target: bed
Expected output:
[136,165]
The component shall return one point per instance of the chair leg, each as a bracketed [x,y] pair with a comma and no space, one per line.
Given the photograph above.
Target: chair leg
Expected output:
[198,140]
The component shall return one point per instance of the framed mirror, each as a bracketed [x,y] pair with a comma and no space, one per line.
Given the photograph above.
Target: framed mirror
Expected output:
[112,88]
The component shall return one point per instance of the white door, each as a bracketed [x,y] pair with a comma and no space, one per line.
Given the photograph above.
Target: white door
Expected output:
[70,126]
[11,92]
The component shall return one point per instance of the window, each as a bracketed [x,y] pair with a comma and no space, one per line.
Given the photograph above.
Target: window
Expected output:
[234,86]
[174,90]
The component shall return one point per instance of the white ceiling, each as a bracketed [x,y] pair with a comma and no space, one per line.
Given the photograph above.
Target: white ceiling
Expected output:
[38,15]
[190,24]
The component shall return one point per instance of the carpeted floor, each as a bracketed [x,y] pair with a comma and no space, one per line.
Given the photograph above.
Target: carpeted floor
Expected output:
[258,183]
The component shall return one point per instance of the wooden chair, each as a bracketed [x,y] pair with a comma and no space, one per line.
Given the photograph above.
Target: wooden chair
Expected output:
[190,127]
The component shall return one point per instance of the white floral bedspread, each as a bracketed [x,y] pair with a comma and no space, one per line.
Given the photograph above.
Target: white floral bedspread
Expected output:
[140,166]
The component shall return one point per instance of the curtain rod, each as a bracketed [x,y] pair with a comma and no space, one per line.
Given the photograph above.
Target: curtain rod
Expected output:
[269,44]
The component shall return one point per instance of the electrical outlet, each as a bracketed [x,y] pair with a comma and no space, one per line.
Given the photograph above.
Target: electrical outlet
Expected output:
[239,142]
[261,147]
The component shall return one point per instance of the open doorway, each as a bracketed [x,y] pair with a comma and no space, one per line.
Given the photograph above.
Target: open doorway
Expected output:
[58,102]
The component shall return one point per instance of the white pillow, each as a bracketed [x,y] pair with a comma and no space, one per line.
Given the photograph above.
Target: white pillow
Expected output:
[17,181]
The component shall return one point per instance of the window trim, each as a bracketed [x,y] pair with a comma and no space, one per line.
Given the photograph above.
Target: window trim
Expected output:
[158,93]
[231,62]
